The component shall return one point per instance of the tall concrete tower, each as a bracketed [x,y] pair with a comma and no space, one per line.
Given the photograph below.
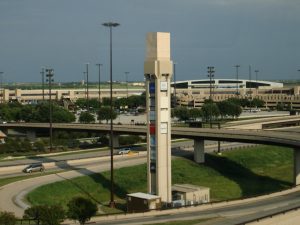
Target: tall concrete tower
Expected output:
[158,69]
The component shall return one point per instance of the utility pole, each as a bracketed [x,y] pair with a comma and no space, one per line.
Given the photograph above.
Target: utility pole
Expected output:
[237,79]
[211,71]
[49,75]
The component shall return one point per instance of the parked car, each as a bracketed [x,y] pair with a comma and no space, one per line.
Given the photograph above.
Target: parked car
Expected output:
[124,151]
[34,167]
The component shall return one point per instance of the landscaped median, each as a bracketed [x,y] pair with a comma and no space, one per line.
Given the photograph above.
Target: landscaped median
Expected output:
[235,174]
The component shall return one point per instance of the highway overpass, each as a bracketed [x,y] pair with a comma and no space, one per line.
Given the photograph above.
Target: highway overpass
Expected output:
[288,139]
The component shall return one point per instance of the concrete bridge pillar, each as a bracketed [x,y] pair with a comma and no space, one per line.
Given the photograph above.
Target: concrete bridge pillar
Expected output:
[31,135]
[199,150]
[115,140]
[297,166]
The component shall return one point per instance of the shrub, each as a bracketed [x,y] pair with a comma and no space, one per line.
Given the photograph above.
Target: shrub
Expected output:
[81,209]
[7,218]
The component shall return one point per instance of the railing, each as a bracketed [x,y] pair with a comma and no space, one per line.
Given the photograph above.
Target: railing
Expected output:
[269,216]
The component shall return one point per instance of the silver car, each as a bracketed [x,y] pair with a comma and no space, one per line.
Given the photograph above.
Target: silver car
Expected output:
[34,168]
[124,151]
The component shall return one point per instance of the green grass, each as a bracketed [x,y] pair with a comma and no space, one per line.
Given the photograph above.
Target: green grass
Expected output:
[235,174]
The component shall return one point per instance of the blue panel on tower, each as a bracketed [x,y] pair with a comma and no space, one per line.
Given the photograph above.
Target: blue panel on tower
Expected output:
[152,87]
[152,140]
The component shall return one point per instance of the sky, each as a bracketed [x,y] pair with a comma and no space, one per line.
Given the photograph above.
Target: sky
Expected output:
[67,34]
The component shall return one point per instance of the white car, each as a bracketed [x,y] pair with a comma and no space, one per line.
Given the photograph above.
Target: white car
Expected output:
[124,151]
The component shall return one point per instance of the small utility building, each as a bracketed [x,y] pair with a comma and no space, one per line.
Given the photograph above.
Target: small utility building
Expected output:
[188,194]
[139,202]
[2,137]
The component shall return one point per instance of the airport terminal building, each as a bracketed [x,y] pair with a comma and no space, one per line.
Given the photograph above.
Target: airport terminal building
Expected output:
[190,93]
[193,93]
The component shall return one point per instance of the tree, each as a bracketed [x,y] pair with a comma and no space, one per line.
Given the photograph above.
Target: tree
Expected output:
[182,113]
[256,102]
[52,215]
[47,215]
[81,209]
[86,117]
[210,111]
[195,113]
[7,218]
[229,108]
[104,114]
[34,212]
[39,146]
[83,103]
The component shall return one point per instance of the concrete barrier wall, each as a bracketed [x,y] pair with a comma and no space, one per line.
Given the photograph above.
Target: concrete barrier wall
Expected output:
[287,218]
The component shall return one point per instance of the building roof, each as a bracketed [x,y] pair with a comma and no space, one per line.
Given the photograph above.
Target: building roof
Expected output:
[187,188]
[143,196]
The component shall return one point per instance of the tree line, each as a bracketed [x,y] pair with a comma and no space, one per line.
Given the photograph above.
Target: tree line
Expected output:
[229,108]
[15,111]
[79,209]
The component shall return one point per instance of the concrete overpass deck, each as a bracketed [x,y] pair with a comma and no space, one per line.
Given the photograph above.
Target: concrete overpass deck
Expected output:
[288,139]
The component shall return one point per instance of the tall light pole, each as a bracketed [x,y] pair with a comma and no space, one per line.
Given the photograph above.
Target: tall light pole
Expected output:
[87,87]
[250,86]
[99,91]
[211,71]
[174,73]
[237,79]
[256,74]
[84,81]
[110,25]
[43,82]
[1,87]
[49,75]
[126,80]
[99,81]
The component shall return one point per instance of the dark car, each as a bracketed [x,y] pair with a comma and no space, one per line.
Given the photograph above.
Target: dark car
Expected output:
[34,167]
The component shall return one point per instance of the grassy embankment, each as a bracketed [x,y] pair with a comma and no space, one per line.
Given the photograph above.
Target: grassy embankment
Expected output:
[235,174]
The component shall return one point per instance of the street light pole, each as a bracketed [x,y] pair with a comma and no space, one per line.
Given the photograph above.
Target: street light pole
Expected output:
[110,25]
[126,77]
[174,72]
[237,79]
[1,87]
[256,74]
[250,87]
[49,75]
[99,81]
[210,75]
[43,82]
[99,91]
[87,87]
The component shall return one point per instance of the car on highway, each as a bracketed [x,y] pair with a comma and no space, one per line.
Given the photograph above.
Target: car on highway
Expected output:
[124,151]
[34,168]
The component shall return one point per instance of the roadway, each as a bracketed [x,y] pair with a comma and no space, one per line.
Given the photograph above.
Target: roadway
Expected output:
[220,214]
[12,168]
[233,135]
[12,197]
